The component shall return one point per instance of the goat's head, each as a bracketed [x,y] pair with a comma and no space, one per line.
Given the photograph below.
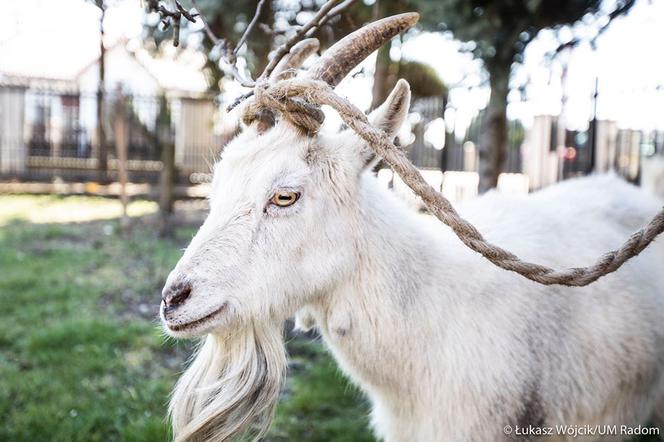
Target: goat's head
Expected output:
[281,232]
[280,229]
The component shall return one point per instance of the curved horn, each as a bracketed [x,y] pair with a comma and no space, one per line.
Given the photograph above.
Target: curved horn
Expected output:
[348,52]
[287,66]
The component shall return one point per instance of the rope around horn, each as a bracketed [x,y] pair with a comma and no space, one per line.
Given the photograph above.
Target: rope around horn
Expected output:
[300,113]
[288,95]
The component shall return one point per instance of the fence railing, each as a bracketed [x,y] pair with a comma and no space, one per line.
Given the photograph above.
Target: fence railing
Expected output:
[48,133]
[546,151]
[438,144]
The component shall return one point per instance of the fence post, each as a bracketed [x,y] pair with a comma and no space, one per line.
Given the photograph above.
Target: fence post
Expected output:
[13,148]
[167,177]
[102,154]
[121,153]
[447,146]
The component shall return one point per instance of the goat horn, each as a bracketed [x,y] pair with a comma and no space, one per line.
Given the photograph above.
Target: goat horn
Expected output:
[287,66]
[348,52]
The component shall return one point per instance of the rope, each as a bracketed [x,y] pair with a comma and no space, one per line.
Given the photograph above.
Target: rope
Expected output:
[295,99]
[300,113]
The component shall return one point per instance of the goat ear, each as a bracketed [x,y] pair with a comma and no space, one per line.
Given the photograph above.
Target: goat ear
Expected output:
[388,117]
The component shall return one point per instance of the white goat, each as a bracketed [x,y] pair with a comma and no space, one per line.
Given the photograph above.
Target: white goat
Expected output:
[447,346]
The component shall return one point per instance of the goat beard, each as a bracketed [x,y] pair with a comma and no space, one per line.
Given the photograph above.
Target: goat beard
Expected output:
[232,386]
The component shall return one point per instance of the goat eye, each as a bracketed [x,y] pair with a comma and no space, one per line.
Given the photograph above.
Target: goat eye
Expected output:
[284,198]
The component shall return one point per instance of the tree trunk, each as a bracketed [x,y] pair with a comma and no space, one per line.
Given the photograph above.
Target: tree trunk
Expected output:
[167,189]
[102,153]
[383,74]
[445,155]
[381,85]
[168,172]
[493,141]
[261,43]
[121,154]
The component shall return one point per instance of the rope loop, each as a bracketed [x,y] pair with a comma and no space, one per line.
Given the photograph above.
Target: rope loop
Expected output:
[296,110]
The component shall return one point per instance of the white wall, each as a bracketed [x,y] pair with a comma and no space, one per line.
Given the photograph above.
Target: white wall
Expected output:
[652,174]
[12,144]
[120,68]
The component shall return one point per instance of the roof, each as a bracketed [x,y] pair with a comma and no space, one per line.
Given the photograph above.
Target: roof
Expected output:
[172,69]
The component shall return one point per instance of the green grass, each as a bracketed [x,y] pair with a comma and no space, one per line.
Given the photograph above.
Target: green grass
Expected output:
[318,405]
[81,356]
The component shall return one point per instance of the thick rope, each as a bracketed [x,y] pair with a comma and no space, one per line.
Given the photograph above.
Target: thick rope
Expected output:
[288,97]
[300,113]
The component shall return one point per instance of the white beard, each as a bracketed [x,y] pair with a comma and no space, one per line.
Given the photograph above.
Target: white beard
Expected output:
[232,386]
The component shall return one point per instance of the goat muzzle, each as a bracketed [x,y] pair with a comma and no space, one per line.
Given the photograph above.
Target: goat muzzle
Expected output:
[175,295]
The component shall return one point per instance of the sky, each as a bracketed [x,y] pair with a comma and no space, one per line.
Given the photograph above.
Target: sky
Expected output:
[55,38]
[58,37]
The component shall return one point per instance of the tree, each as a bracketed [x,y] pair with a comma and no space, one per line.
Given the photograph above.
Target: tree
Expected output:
[102,148]
[501,30]
[227,20]
[498,31]
[423,79]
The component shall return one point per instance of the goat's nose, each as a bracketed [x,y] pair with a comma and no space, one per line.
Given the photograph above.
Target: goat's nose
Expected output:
[176,294]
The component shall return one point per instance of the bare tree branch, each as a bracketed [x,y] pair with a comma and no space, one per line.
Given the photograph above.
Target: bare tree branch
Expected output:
[239,100]
[299,35]
[208,30]
[229,58]
[333,12]
[186,14]
[621,9]
[329,10]
[169,17]
[232,68]
[250,27]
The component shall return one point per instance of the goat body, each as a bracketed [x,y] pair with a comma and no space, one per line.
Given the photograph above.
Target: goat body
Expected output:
[450,348]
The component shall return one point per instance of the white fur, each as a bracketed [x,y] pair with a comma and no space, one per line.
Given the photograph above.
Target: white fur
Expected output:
[447,346]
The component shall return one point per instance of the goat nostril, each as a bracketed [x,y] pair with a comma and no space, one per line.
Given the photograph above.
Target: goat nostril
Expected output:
[177,295]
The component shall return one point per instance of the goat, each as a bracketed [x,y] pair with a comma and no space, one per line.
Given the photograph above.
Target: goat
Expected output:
[446,346]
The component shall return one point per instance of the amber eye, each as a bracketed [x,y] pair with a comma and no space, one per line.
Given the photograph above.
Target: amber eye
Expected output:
[284,198]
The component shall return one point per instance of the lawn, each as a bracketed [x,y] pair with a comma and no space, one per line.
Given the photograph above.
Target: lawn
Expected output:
[81,354]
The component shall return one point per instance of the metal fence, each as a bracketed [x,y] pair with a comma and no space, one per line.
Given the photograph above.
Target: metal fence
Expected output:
[440,144]
[547,152]
[50,133]
[553,153]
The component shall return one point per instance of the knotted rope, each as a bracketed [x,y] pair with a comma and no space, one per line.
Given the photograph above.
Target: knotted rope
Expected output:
[299,101]
[300,113]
